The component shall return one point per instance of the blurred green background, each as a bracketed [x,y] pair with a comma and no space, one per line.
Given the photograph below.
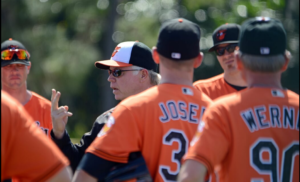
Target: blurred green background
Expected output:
[66,37]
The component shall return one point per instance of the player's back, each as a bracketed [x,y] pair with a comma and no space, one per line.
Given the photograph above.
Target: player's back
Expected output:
[264,125]
[167,125]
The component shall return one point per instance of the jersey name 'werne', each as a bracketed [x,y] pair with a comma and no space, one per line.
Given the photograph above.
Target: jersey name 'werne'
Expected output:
[285,117]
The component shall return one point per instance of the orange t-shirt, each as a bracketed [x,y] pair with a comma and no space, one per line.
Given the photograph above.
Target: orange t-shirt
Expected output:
[39,108]
[26,153]
[250,136]
[159,122]
[214,87]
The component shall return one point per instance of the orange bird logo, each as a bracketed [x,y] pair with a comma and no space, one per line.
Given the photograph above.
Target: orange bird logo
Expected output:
[221,34]
[115,51]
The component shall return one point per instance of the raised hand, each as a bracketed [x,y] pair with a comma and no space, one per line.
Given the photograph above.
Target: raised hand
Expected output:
[59,115]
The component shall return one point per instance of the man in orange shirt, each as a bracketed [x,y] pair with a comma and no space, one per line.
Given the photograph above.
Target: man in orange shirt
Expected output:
[37,160]
[15,67]
[158,122]
[226,41]
[253,135]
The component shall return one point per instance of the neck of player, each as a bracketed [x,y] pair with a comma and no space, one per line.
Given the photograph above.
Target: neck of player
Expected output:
[235,78]
[178,77]
[22,94]
[270,80]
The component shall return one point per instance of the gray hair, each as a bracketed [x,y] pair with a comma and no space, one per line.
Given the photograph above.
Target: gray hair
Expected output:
[154,77]
[269,64]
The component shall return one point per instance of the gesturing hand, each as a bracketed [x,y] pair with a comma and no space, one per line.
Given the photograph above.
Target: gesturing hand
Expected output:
[59,115]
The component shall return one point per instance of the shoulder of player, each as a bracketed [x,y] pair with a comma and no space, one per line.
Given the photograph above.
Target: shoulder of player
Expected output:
[210,81]
[104,116]
[140,98]
[40,99]
[205,98]
[293,97]
[228,100]
[292,94]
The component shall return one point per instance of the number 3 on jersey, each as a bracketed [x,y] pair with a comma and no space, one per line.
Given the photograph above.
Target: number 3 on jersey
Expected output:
[271,167]
[171,136]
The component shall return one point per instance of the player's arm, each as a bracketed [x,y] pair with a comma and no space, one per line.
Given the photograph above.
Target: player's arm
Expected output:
[92,168]
[192,171]
[64,175]
[75,152]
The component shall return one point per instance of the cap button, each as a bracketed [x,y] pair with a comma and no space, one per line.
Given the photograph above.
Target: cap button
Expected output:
[180,20]
[10,39]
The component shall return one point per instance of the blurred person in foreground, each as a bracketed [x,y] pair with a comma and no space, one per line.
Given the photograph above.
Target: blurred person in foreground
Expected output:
[253,134]
[158,122]
[225,39]
[26,153]
[15,67]
[131,70]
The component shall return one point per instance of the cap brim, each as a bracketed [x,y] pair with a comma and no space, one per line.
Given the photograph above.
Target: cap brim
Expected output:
[107,63]
[226,42]
[8,62]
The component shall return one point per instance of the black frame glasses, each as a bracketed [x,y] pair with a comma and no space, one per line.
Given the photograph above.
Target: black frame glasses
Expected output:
[117,72]
[230,48]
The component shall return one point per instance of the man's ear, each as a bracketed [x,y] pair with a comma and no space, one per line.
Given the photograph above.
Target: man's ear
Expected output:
[144,74]
[239,63]
[198,60]
[155,55]
[287,57]
[28,67]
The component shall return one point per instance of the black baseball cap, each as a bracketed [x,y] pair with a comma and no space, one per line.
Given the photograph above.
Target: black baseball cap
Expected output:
[262,36]
[13,44]
[131,53]
[179,39]
[226,33]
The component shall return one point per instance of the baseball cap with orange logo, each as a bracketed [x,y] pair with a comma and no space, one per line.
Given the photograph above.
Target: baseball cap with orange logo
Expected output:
[131,53]
[226,33]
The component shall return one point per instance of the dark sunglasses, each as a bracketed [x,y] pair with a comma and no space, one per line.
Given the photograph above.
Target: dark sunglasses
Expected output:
[230,48]
[117,72]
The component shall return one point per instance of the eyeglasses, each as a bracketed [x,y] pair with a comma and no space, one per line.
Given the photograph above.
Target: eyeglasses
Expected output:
[230,48]
[9,53]
[116,73]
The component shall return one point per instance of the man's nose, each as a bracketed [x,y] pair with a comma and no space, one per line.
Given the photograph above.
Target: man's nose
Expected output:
[111,78]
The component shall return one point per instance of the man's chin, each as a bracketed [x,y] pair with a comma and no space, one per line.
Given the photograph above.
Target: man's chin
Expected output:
[118,97]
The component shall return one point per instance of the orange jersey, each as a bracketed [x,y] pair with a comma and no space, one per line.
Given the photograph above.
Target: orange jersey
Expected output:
[159,122]
[252,135]
[26,153]
[39,108]
[214,87]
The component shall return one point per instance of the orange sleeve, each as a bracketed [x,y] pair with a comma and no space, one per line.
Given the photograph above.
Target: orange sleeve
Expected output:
[119,137]
[26,153]
[211,142]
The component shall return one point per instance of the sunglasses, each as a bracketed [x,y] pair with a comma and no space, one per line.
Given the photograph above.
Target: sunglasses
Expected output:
[116,73]
[230,48]
[9,53]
